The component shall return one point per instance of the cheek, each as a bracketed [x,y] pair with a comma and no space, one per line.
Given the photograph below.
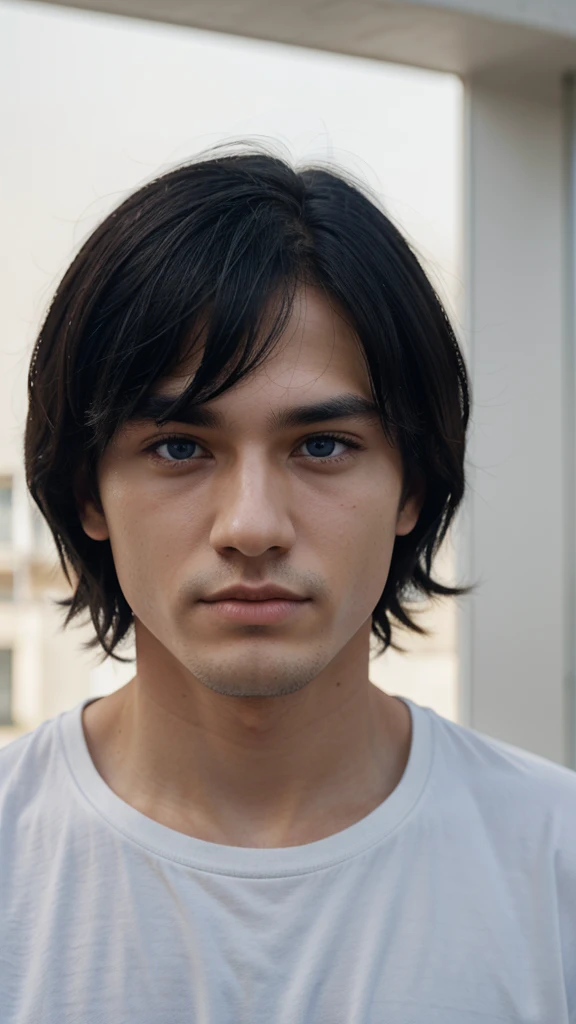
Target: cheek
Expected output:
[358,539]
[150,536]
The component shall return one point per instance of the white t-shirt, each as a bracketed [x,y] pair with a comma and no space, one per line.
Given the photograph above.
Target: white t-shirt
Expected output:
[454,902]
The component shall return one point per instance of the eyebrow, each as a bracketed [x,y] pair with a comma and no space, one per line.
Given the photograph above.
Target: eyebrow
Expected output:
[345,406]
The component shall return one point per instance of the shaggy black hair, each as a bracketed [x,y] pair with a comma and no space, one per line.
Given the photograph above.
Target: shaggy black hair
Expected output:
[201,252]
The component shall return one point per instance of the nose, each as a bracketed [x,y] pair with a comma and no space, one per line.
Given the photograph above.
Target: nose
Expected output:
[252,512]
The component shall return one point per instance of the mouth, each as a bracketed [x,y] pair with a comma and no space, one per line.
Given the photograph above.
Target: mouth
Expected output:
[255,612]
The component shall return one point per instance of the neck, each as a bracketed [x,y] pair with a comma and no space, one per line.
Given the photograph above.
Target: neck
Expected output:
[268,772]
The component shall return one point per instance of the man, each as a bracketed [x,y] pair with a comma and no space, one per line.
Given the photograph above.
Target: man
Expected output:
[247,431]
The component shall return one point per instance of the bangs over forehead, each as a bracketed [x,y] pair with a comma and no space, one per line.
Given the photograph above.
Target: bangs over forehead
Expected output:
[212,320]
[209,257]
[203,264]
[198,374]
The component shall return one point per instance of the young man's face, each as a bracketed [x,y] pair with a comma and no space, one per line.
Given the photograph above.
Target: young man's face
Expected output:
[253,502]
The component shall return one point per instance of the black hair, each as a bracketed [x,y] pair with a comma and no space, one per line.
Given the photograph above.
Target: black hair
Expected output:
[201,252]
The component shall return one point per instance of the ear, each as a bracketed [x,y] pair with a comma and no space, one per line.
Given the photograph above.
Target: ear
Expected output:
[410,509]
[90,511]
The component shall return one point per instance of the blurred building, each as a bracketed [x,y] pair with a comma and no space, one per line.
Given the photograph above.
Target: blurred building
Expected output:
[43,668]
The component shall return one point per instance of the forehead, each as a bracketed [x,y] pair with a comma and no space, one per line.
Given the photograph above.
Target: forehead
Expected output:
[318,354]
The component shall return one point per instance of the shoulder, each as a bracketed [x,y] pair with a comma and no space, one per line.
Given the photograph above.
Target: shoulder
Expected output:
[513,790]
[495,758]
[31,744]
[25,765]
[39,801]
[512,814]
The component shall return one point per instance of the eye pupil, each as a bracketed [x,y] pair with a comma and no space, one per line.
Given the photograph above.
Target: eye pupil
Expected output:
[180,449]
[319,445]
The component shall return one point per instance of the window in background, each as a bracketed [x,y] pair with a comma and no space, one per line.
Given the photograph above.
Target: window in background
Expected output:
[6,687]
[5,511]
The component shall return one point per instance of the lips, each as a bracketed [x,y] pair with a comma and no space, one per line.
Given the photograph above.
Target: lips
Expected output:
[253,606]
[268,592]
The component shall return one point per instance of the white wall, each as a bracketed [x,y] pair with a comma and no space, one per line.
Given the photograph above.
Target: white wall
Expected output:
[513,638]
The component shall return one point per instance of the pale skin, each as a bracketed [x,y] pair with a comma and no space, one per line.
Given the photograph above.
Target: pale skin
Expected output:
[266,736]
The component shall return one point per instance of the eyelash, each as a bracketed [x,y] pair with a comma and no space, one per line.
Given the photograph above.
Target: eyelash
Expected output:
[175,438]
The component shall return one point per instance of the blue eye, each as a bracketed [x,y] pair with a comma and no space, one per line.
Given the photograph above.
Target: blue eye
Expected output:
[178,449]
[320,445]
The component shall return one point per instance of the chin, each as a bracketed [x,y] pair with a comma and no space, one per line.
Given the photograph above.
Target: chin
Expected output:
[246,674]
[227,688]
